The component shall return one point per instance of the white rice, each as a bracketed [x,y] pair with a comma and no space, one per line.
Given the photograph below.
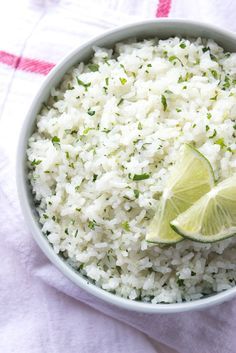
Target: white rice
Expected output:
[115,126]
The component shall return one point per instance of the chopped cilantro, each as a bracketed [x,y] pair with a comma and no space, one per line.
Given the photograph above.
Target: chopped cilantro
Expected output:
[174,58]
[187,77]
[87,130]
[205,49]
[82,83]
[105,59]
[178,110]
[76,232]
[214,98]
[93,67]
[45,216]
[194,125]
[168,91]
[94,177]
[213,57]
[136,193]
[163,101]
[77,187]
[91,112]
[66,231]
[213,135]
[55,140]
[67,155]
[123,80]
[149,65]
[106,130]
[107,81]
[207,127]
[180,282]
[120,101]
[138,177]
[92,224]
[184,87]
[140,126]
[78,209]
[36,162]
[182,45]
[220,142]
[226,83]
[209,116]
[69,87]
[125,225]
[214,74]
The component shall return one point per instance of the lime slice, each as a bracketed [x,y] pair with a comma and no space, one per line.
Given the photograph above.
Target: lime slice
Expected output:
[212,217]
[191,177]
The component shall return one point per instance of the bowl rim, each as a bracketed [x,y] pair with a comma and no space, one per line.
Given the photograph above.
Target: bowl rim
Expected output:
[33,225]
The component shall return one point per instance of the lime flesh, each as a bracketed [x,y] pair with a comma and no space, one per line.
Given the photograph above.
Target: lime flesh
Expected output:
[212,217]
[191,177]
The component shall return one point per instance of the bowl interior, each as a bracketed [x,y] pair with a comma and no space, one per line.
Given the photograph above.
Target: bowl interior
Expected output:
[155,28]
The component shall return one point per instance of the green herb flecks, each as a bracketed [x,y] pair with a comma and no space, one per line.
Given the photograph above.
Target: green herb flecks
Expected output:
[120,102]
[214,74]
[82,83]
[136,193]
[56,140]
[36,162]
[106,130]
[226,84]
[91,112]
[173,58]
[123,80]
[205,49]
[220,142]
[182,45]
[125,225]
[138,177]
[95,177]
[85,132]
[185,78]
[213,135]
[209,116]
[214,98]
[164,102]
[92,224]
[93,67]
[140,127]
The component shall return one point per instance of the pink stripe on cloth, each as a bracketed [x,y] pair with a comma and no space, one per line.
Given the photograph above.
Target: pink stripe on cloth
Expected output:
[26,64]
[163,8]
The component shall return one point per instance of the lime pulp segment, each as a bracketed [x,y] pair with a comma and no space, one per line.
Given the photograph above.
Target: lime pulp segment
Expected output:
[212,217]
[191,178]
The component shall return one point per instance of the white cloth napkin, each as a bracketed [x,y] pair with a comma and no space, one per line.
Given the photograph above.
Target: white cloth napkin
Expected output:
[40,310]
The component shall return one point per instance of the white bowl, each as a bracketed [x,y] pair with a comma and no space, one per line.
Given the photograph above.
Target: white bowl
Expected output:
[163,28]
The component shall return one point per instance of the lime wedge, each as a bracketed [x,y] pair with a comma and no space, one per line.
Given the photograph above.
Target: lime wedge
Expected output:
[191,177]
[212,217]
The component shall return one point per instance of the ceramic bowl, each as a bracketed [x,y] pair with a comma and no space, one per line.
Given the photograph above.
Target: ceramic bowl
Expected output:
[162,29]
